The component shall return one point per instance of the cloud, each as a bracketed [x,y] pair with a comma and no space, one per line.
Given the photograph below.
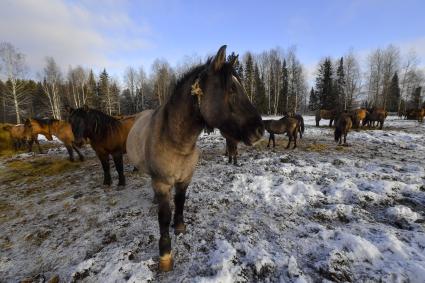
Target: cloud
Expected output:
[73,32]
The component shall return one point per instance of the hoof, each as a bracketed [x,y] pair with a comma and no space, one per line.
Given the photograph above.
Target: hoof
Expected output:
[180,229]
[166,263]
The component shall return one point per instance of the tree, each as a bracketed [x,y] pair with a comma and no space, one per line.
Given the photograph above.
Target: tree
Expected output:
[352,79]
[13,67]
[313,103]
[416,98]
[249,80]
[164,78]
[284,95]
[340,86]
[107,93]
[237,66]
[325,85]
[260,100]
[51,86]
[394,94]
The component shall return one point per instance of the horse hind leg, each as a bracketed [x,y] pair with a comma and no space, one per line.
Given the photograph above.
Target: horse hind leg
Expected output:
[295,139]
[290,139]
[70,152]
[118,160]
[162,192]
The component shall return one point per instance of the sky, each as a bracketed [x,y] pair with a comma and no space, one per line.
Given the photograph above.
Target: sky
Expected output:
[117,34]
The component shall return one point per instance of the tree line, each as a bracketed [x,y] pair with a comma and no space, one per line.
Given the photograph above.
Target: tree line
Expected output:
[275,82]
[390,80]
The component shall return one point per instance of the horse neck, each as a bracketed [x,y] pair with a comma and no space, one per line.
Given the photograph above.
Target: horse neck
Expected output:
[44,129]
[54,127]
[182,120]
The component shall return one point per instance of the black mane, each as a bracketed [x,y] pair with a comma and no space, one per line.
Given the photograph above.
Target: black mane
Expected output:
[98,124]
[45,121]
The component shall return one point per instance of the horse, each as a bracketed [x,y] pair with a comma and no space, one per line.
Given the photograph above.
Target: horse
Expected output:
[357,116]
[53,127]
[377,115]
[107,136]
[287,125]
[342,127]
[416,114]
[19,137]
[300,119]
[326,114]
[231,149]
[162,142]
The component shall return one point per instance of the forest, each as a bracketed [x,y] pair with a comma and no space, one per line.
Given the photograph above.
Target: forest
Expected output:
[275,81]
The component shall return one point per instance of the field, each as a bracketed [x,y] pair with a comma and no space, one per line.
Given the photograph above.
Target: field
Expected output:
[319,212]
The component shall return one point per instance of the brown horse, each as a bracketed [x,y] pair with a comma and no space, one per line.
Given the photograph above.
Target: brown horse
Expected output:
[19,137]
[357,116]
[326,114]
[375,115]
[53,127]
[342,127]
[162,142]
[287,125]
[107,136]
[231,149]
[416,114]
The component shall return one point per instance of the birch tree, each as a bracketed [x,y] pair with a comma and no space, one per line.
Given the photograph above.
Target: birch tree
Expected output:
[13,68]
[52,79]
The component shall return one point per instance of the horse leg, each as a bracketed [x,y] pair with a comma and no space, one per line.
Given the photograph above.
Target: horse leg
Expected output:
[295,139]
[70,152]
[80,155]
[179,200]
[274,141]
[330,123]
[270,138]
[162,191]
[235,161]
[317,122]
[104,159]
[289,142]
[381,125]
[29,145]
[118,160]
[38,145]
[345,138]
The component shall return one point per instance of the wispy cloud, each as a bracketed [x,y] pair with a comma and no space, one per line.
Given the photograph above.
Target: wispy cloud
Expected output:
[73,33]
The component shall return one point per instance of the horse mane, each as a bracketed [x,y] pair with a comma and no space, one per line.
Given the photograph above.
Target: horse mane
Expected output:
[99,123]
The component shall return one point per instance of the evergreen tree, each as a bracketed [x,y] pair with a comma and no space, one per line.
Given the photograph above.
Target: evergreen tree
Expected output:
[260,100]
[325,85]
[341,99]
[238,66]
[416,98]
[313,103]
[249,77]
[394,94]
[108,97]
[283,98]
[92,95]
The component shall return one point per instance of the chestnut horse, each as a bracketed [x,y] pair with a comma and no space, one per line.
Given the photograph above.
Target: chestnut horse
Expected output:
[357,116]
[326,114]
[342,127]
[19,137]
[287,125]
[107,136]
[162,142]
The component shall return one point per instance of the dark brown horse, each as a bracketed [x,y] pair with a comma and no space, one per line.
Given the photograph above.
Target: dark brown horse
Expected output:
[357,116]
[375,115]
[107,136]
[285,125]
[326,114]
[53,127]
[300,119]
[231,149]
[342,127]
[162,142]
[416,114]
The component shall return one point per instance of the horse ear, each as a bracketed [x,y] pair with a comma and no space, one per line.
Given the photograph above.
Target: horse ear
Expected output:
[234,60]
[86,107]
[219,58]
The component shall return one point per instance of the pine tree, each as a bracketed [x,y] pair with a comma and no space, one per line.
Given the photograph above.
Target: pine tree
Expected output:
[313,103]
[107,96]
[325,87]
[284,96]
[249,77]
[238,66]
[92,95]
[260,100]
[341,99]
[394,94]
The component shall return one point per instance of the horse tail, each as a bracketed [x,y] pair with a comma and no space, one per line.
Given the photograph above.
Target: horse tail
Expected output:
[302,125]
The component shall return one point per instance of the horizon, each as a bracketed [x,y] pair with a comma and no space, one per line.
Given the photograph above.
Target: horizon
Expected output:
[120,34]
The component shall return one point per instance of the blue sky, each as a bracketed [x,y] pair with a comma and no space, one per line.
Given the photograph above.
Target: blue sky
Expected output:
[117,34]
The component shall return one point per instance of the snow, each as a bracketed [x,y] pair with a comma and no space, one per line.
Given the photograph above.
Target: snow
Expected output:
[321,212]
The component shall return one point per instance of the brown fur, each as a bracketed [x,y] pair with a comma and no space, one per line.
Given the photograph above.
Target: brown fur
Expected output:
[375,115]
[290,126]
[416,114]
[357,116]
[19,138]
[162,142]
[342,127]
[325,114]
[231,149]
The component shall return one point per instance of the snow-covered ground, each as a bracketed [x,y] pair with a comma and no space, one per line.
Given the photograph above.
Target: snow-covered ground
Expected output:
[317,213]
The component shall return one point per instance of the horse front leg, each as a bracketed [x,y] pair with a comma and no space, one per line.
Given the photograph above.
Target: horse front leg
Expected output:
[270,138]
[274,141]
[118,160]
[80,155]
[295,139]
[290,139]
[70,153]
[104,159]
[38,145]
[162,192]
[179,200]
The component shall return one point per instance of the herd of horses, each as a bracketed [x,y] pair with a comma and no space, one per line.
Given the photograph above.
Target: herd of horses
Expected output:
[162,143]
